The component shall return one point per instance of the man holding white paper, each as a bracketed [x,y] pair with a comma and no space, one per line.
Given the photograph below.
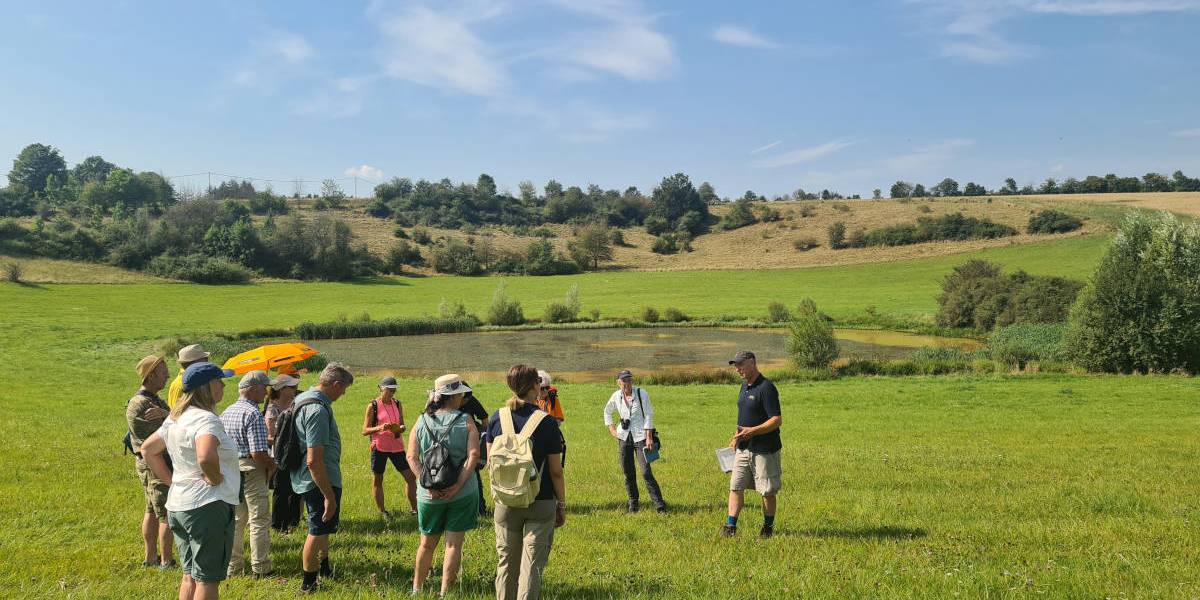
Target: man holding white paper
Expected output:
[757,445]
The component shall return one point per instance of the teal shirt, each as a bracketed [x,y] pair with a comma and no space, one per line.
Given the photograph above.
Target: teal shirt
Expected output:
[430,426]
[316,427]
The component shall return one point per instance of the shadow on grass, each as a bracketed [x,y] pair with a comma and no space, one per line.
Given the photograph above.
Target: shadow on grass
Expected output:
[621,507]
[378,280]
[31,286]
[882,532]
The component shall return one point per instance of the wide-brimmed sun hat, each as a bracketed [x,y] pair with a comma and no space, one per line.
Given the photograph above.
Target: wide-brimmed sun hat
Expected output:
[192,353]
[448,385]
[147,365]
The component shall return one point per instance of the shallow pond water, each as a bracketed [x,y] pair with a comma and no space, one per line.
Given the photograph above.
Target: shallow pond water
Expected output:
[597,354]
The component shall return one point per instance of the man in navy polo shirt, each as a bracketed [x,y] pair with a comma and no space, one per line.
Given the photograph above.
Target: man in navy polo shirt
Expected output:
[756,445]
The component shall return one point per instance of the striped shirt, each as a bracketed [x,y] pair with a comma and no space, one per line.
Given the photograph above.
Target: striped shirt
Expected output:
[245,425]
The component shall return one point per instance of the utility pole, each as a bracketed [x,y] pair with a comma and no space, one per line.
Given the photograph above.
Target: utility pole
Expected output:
[208,192]
[356,186]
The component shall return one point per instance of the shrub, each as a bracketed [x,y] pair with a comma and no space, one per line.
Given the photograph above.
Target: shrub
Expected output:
[740,214]
[778,313]
[976,294]
[504,311]
[808,210]
[953,227]
[1141,311]
[401,233]
[421,236]
[13,272]
[1053,221]
[617,238]
[388,327]
[665,244]
[1028,342]
[566,311]
[837,235]
[805,243]
[198,268]
[401,255]
[674,315]
[452,311]
[457,258]
[924,208]
[649,314]
[810,342]
[540,259]
[843,208]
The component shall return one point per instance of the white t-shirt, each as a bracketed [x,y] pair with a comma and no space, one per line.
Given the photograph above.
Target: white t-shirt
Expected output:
[188,488]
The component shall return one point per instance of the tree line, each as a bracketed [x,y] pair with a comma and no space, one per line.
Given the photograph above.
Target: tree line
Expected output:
[1092,184]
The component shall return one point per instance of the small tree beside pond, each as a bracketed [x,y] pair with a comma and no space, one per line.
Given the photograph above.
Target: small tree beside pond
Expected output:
[810,342]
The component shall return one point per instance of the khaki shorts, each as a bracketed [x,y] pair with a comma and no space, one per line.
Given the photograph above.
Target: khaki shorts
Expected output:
[155,491]
[765,471]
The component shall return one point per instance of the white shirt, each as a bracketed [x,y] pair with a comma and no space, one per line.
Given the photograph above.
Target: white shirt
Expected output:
[188,488]
[639,421]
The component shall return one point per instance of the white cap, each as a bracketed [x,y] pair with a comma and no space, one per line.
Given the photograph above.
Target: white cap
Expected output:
[192,353]
[284,381]
[544,377]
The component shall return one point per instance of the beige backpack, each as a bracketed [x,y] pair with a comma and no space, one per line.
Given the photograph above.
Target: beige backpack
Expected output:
[511,469]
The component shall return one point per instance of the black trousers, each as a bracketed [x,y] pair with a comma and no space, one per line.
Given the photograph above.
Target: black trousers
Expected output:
[286,505]
[629,451]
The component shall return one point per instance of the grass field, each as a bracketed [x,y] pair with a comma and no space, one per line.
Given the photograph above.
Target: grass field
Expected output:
[1058,486]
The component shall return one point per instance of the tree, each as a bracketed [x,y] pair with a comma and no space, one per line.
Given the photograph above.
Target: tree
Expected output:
[528,193]
[708,195]
[1050,186]
[1141,311]
[674,198]
[331,193]
[1179,183]
[810,342]
[35,164]
[837,235]
[919,191]
[974,189]
[591,245]
[947,187]
[739,215]
[901,189]
[1010,187]
[92,168]
[554,189]
[1156,182]
[876,194]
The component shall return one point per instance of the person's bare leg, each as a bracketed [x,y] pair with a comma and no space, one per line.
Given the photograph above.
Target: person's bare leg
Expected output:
[150,536]
[187,587]
[207,591]
[424,560]
[310,558]
[736,500]
[769,506]
[410,485]
[166,543]
[377,490]
[452,559]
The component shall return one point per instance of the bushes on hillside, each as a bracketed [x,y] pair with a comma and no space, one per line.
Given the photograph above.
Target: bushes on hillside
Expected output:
[810,342]
[976,294]
[455,257]
[837,235]
[199,268]
[952,227]
[1141,311]
[401,255]
[740,214]
[1052,221]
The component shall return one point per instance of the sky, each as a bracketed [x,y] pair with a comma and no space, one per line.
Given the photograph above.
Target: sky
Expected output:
[848,95]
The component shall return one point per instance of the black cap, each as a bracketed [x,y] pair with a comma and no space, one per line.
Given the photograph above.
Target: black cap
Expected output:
[742,355]
[387,382]
[624,374]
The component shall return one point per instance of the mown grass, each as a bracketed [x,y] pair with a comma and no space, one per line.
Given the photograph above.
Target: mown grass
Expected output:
[985,486]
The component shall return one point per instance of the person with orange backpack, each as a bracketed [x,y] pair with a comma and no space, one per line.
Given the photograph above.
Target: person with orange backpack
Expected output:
[527,484]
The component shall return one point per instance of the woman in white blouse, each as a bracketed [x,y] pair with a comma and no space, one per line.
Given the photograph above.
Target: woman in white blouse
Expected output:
[204,483]
[635,435]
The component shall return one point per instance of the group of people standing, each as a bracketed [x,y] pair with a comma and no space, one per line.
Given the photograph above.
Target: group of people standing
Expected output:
[207,479]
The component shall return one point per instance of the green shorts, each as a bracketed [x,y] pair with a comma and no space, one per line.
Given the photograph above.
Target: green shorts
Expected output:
[454,516]
[155,491]
[204,540]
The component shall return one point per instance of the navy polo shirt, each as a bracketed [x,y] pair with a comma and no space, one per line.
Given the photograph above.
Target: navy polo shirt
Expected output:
[758,402]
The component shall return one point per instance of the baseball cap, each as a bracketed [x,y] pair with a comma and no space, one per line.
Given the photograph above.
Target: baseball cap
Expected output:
[624,374]
[201,373]
[254,378]
[284,381]
[742,355]
[387,382]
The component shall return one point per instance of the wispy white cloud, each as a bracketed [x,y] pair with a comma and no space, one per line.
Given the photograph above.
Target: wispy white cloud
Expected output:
[766,147]
[291,47]
[364,172]
[279,56]
[624,42]
[972,27]
[802,155]
[1187,133]
[736,35]
[438,48]
[1059,168]
[927,156]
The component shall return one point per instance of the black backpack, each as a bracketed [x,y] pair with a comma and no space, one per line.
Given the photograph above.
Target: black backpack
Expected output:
[438,470]
[288,451]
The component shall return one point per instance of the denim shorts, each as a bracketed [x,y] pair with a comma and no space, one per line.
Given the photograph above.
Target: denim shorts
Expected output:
[315,501]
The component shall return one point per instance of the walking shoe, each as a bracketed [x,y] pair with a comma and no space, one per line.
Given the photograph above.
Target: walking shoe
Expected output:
[633,506]
[728,530]
[310,588]
[766,532]
[170,565]
[662,508]
[385,515]
[264,575]
[150,563]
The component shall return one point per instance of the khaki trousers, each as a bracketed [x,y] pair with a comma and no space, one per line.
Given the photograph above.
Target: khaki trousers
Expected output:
[254,513]
[523,540]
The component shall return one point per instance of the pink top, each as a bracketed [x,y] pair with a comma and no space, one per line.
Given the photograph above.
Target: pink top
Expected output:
[386,441]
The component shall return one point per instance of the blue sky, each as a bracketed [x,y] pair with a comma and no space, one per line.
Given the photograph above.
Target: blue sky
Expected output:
[768,96]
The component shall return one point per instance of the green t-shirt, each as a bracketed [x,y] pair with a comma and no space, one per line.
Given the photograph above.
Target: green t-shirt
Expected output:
[315,427]
[430,426]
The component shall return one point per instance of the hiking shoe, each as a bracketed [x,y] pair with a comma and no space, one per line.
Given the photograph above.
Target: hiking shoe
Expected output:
[147,564]
[170,565]
[662,508]
[766,532]
[310,588]
[633,506]
[728,530]
[264,575]
[385,515]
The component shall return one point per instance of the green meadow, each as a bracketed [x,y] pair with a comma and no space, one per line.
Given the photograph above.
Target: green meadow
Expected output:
[998,486]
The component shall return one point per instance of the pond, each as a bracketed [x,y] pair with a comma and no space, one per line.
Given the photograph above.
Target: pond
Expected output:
[582,355]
